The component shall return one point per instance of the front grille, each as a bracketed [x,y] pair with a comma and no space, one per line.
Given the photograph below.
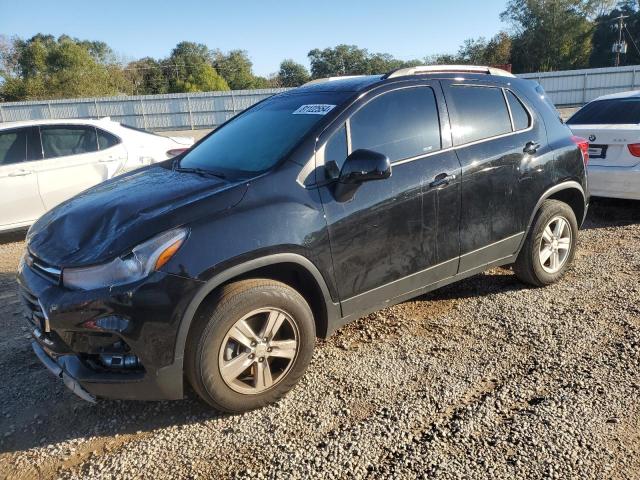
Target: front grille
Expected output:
[43,269]
[33,310]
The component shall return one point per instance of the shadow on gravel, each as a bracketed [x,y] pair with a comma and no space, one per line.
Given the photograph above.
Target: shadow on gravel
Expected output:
[498,280]
[17,236]
[611,212]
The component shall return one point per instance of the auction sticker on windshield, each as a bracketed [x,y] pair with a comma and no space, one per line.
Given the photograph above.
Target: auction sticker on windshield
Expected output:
[314,109]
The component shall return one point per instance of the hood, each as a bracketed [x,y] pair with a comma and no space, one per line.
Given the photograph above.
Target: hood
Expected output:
[112,217]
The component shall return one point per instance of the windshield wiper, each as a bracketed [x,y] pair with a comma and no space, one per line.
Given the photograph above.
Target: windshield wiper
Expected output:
[201,171]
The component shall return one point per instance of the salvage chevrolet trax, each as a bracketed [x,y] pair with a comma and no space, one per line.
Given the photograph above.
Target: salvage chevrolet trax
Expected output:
[220,267]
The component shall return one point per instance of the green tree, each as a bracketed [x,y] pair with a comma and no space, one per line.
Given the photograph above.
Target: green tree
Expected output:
[550,34]
[292,74]
[190,69]
[606,34]
[338,61]
[351,60]
[236,68]
[479,51]
[148,76]
[45,67]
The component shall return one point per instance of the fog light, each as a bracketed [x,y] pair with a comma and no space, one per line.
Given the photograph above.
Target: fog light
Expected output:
[119,361]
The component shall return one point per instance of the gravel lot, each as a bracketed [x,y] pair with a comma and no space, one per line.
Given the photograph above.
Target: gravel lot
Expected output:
[481,379]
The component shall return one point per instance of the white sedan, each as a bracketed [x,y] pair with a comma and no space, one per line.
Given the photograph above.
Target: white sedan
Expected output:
[612,125]
[45,162]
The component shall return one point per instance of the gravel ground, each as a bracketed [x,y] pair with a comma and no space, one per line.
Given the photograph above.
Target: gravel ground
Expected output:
[481,379]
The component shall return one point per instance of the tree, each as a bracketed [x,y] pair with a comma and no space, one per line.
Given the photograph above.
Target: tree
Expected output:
[292,74]
[550,34]
[351,60]
[46,67]
[190,69]
[479,51]
[236,68]
[337,61]
[148,76]
[606,34]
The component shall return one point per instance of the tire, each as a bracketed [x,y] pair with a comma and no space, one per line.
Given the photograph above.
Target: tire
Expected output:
[529,266]
[267,366]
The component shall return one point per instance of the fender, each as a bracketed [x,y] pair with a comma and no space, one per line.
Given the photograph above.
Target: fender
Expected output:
[571,184]
[332,309]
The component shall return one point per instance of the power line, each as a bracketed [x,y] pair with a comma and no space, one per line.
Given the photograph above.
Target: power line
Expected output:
[632,41]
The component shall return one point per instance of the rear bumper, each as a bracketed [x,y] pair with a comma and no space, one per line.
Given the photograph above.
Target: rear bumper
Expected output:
[614,182]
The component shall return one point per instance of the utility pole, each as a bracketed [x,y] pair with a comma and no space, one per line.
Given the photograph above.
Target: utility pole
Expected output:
[619,47]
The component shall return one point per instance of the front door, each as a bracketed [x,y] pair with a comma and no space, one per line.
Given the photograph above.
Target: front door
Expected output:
[399,234]
[19,195]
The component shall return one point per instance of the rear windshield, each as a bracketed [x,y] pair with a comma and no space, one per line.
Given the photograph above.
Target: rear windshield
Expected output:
[257,139]
[614,111]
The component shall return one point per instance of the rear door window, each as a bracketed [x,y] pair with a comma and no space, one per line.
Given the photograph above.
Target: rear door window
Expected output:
[477,113]
[617,111]
[13,146]
[65,140]
[400,124]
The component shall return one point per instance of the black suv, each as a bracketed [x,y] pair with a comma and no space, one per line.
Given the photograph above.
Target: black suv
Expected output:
[308,210]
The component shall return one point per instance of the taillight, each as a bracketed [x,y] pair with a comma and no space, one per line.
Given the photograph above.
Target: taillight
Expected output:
[634,149]
[176,151]
[583,145]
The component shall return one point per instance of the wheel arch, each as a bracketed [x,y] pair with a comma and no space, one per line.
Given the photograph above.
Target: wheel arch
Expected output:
[569,192]
[292,269]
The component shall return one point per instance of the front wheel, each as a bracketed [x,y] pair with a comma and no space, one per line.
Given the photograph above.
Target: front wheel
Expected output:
[550,245]
[250,346]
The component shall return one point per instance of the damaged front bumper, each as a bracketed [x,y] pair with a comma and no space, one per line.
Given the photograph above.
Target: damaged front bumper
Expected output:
[115,342]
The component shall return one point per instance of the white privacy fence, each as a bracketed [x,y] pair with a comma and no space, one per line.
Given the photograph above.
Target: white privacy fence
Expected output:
[182,111]
[179,111]
[577,87]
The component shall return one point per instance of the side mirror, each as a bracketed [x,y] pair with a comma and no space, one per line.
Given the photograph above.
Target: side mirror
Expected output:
[359,167]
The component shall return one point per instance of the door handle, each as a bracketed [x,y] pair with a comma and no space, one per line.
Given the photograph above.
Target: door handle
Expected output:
[107,160]
[442,180]
[20,173]
[531,148]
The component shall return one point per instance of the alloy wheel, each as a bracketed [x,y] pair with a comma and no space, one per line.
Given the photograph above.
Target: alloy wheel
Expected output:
[258,351]
[555,245]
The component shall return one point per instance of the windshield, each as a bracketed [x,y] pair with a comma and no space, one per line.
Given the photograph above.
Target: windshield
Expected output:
[257,139]
[615,111]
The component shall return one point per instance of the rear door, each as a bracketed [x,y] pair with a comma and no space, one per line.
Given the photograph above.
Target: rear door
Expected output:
[72,162]
[19,196]
[492,131]
[399,234]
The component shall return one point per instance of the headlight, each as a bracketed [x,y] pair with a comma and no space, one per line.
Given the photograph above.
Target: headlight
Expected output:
[148,256]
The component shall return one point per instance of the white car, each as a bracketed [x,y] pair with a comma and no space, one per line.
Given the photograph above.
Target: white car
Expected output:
[612,125]
[45,162]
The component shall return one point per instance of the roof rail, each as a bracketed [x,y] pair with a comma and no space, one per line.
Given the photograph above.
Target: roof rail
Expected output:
[330,79]
[403,72]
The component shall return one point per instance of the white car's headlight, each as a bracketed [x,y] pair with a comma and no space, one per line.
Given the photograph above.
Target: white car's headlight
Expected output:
[148,256]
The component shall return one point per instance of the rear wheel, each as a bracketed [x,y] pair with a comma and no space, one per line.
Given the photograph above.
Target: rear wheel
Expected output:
[250,346]
[550,245]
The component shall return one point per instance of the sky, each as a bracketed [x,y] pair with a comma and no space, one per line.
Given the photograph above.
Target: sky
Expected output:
[269,30]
